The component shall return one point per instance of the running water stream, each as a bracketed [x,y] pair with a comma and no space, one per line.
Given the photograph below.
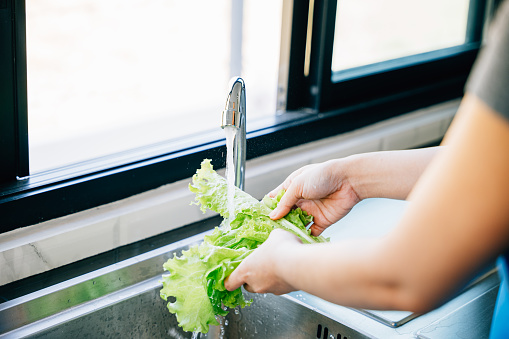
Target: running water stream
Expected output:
[230,132]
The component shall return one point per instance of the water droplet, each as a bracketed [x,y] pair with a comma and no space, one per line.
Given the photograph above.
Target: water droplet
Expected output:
[237,311]
[226,322]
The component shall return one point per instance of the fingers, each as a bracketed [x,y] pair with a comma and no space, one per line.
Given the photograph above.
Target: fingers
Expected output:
[316,230]
[286,203]
[238,277]
[248,288]
[234,280]
[288,181]
[275,191]
[258,272]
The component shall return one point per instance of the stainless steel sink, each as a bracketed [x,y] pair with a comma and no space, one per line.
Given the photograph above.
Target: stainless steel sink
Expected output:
[122,300]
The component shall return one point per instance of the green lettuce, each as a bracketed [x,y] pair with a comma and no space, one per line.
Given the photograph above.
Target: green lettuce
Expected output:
[196,279]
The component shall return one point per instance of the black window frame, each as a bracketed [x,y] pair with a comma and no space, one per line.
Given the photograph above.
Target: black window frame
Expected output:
[440,73]
[313,108]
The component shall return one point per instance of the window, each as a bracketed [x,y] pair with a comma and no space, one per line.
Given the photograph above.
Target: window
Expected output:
[335,82]
[110,76]
[320,91]
[363,35]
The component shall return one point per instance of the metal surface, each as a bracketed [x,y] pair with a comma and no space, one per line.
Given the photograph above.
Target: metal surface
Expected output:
[273,316]
[473,320]
[398,318]
[88,287]
[143,315]
[135,312]
[234,114]
[123,301]
[390,318]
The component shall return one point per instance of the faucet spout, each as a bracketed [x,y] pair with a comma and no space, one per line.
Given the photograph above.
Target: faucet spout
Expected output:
[234,115]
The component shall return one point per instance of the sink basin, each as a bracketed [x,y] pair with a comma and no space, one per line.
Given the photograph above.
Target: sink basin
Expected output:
[145,316]
[122,300]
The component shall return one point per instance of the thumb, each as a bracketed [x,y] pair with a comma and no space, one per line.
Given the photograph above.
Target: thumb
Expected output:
[286,203]
[233,281]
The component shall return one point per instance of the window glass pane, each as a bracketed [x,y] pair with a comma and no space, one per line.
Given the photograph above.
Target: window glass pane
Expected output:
[109,76]
[371,31]
[260,54]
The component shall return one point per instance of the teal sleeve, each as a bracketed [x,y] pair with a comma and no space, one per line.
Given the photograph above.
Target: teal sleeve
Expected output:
[500,322]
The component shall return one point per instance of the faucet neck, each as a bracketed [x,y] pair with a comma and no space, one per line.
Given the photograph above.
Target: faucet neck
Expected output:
[235,108]
[234,114]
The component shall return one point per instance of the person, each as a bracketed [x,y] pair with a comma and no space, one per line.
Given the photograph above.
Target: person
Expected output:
[457,220]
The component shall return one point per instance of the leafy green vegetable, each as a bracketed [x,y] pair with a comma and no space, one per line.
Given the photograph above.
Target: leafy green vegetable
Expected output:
[196,278]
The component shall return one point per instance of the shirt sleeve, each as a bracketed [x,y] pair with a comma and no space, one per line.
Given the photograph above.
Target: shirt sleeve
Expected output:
[489,79]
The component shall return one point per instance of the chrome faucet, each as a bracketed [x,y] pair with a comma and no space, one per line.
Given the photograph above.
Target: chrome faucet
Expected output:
[234,114]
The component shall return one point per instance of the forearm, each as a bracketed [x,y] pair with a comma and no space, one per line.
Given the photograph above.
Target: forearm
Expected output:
[389,174]
[360,273]
[455,224]
[349,273]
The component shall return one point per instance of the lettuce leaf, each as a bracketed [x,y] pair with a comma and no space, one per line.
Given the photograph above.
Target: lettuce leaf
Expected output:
[196,279]
[211,194]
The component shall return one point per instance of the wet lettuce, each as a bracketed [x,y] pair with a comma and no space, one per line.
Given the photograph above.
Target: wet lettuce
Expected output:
[195,286]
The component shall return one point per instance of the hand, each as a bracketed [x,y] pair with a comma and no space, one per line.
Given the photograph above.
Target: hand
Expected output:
[322,190]
[258,272]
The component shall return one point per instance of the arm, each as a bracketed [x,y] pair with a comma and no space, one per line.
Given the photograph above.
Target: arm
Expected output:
[457,221]
[390,174]
[329,190]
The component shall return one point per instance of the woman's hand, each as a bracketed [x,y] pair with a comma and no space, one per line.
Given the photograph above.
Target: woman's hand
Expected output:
[328,191]
[259,272]
[322,190]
